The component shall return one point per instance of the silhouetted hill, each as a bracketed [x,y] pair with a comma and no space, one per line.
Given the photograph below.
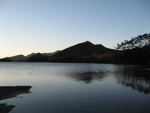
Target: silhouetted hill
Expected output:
[5,60]
[89,52]
[134,51]
[31,57]
[130,56]
[82,52]
[48,54]
[134,56]
[18,58]
[38,57]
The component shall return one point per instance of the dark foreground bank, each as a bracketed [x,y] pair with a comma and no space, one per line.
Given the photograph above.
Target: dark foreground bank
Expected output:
[7,92]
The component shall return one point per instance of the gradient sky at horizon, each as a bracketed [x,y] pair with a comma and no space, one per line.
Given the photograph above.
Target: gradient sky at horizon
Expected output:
[28,26]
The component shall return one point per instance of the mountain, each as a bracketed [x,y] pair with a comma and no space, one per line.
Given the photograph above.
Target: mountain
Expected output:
[17,58]
[48,54]
[82,52]
[38,57]
[5,60]
[88,52]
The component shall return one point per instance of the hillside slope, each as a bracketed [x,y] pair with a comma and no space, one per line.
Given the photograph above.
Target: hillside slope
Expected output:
[82,52]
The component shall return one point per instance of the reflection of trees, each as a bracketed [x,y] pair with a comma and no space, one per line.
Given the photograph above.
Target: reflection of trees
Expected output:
[88,76]
[7,92]
[136,78]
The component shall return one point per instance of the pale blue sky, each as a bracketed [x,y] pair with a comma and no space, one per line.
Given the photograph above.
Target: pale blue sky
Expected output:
[28,26]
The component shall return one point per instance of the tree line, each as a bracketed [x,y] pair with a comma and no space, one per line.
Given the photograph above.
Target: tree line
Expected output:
[135,42]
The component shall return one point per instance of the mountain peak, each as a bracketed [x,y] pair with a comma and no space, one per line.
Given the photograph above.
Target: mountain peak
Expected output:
[87,42]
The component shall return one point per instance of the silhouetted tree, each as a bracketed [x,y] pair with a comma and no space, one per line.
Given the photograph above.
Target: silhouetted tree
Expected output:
[136,42]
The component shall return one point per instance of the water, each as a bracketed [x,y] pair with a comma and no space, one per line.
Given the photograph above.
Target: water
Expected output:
[77,88]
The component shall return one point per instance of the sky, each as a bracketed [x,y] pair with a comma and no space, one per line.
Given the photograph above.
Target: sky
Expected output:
[28,26]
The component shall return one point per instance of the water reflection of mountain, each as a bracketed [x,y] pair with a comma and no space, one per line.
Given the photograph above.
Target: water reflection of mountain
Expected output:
[88,76]
[7,92]
[136,78]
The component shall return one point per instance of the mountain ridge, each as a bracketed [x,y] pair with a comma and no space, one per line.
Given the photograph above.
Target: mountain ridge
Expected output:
[87,52]
[84,49]
[79,52]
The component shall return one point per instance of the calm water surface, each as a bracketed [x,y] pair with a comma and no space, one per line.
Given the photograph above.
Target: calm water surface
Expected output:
[78,88]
